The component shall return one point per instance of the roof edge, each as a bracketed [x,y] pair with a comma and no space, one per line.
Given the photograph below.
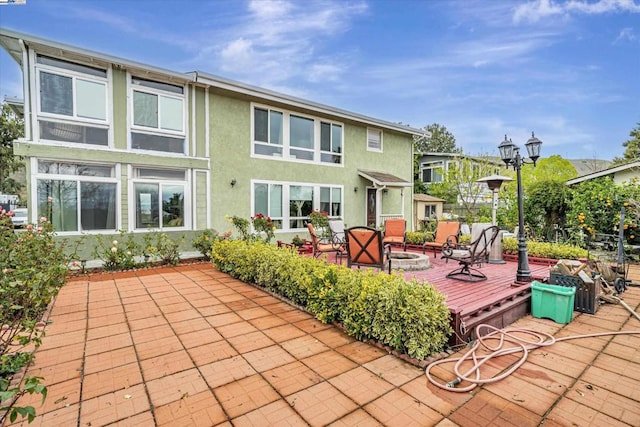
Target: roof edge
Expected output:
[247,89]
[604,172]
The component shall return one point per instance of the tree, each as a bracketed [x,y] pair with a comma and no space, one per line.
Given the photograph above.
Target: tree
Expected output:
[546,205]
[11,128]
[440,140]
[460,184]
[632,146]
[552,169]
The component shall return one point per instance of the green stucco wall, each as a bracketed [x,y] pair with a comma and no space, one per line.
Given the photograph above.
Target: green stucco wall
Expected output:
[230,151]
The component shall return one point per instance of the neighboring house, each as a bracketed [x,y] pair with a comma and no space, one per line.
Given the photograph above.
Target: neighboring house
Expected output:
[435,166]
[112,144]
[619,174]
[425,208]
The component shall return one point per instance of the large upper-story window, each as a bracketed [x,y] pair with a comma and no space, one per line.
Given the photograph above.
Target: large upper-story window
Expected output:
[160,198]
[289,205]
[158,116]
[72,102]
[76,196]
[293,136]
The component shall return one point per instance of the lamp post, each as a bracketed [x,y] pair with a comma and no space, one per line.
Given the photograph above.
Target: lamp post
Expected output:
[510,155]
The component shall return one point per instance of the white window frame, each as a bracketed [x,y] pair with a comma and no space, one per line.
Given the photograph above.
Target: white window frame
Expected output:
[72,119]
[286,146]
[331,142]
[157,131]
[375,149]
[188,194]
[286,185]
[436,164]
[430,211]
[78,178]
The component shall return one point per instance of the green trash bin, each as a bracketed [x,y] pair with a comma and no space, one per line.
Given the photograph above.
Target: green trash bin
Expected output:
[552,302]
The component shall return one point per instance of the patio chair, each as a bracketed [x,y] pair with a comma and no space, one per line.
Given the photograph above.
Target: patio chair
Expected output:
[365,249]
[320,247]
[395,232]
[477,253]
[445,237]
[336,226]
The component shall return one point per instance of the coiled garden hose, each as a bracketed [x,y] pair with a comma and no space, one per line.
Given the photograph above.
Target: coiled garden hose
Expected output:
[521,339]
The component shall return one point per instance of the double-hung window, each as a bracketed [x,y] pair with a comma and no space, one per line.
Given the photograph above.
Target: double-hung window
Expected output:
[77,197]
[268,132]
[331,201]
[330,143]
[72,102]
[158,116]
[267,200]
[289,205]
[292,136]
[160,198]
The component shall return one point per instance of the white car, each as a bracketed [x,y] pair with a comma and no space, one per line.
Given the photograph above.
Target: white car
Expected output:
[20,217]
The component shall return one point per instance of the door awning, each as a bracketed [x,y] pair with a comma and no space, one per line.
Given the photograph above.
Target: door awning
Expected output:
[382,179]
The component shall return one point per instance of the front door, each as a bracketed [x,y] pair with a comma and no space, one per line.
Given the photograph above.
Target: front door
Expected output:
[371,207]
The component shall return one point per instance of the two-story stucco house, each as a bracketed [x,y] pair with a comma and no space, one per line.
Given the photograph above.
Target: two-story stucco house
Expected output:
[112,144]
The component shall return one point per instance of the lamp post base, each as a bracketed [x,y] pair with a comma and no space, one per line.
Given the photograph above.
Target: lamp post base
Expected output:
[520,283]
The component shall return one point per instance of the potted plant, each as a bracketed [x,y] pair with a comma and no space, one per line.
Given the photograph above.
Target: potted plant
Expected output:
[297,241]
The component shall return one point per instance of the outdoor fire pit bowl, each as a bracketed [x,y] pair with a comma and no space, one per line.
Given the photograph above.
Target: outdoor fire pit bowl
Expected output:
[409,261]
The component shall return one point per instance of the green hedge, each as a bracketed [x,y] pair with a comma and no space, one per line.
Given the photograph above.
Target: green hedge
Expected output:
[545,249]
[415,237]
[410,317]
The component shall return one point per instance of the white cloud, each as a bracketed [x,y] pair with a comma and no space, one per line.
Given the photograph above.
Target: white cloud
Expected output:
[535,11]
[626,34]
[540,9]
[324,72]
[239,53]
[280,40]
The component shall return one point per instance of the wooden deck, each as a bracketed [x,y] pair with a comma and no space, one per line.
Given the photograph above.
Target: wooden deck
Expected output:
[497,301]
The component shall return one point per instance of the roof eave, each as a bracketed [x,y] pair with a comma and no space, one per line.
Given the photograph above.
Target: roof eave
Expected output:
[604,172]
[269,95]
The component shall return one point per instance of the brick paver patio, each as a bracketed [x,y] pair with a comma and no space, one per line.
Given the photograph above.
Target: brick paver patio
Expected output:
[192,346]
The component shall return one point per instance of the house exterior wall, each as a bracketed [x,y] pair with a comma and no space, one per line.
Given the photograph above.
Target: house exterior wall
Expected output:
[626,175]
[218,151]
[232,159]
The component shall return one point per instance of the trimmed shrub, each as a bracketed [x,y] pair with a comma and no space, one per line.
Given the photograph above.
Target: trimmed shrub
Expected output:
[409,317]
[545,249]
[415,237]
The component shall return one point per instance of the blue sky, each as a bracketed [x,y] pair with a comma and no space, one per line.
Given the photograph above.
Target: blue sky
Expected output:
[568,70]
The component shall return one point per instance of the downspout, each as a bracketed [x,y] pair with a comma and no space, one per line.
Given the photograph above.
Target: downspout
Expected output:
[25,89]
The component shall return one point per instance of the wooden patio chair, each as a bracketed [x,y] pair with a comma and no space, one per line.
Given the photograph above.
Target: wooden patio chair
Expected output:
[320,247]
[477,253]
[445,237]
[365,249]
[395,232]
